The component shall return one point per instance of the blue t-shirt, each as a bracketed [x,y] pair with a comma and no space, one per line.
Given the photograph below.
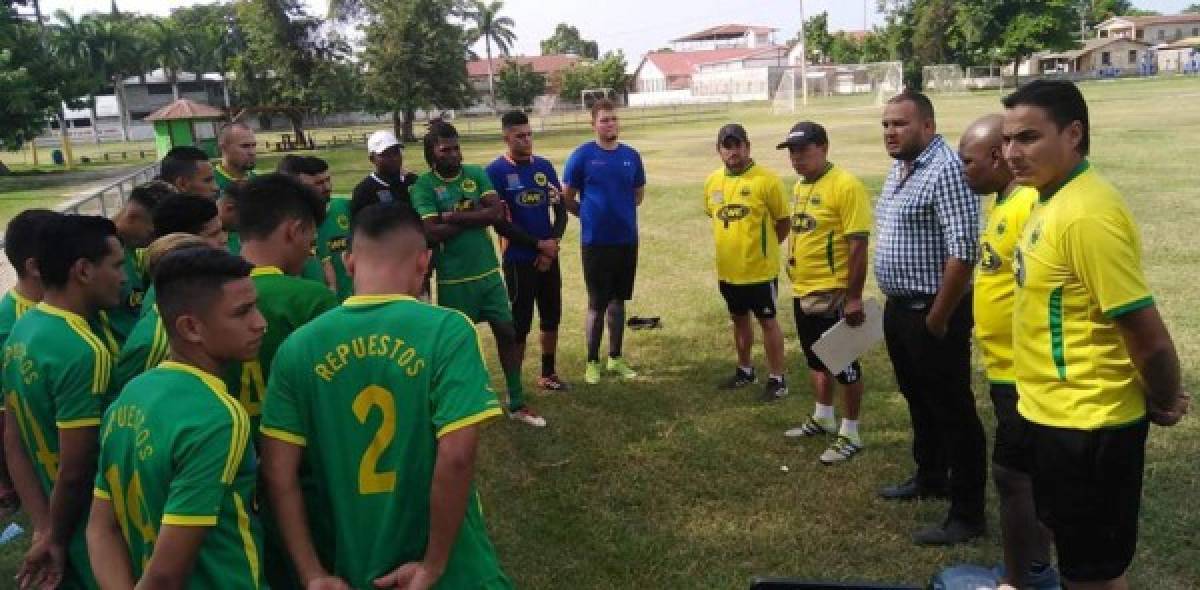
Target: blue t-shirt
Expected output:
[606,181]
[525,189]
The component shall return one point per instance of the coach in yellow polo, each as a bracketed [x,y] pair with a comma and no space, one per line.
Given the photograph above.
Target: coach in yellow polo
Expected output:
[749,219]
[1094,362]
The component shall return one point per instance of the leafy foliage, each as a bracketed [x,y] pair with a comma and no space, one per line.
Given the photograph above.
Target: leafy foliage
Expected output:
[518,84]
[566,39]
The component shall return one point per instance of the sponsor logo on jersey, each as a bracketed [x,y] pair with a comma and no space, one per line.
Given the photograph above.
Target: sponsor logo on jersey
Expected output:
[540,179]
[733,212]
[469,185]
[990,261]
[530,198]
[337,244]
[343,221]
[803,223]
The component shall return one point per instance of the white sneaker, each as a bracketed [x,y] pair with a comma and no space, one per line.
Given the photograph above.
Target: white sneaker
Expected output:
[528,416]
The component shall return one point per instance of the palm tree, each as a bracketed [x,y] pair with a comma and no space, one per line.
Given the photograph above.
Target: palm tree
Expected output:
[169,51]
[492,28]
[74,42]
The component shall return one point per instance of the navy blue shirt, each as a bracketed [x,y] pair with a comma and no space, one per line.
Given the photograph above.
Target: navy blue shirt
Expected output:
[606,181]
[525,188]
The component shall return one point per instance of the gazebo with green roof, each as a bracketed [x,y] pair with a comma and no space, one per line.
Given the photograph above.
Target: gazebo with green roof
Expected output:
[185,122]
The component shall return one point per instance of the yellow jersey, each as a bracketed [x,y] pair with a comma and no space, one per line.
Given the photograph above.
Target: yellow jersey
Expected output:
[1078,267]
[744,208]
[994,284]
[825,212]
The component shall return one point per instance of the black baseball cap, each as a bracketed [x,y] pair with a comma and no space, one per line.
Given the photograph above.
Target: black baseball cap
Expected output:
[734,130]
[804,133]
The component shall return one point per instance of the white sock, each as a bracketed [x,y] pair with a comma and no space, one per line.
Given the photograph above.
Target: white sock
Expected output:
[776,377]
[747,370]
[849,429]
[823,412]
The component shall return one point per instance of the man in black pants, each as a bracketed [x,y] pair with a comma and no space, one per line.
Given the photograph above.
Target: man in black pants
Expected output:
[927,222]
[529,187]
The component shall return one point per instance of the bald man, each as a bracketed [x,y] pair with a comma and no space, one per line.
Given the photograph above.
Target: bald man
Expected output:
[239,153]
[1026,544]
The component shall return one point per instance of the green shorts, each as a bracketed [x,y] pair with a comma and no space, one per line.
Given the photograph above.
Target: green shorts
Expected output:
[483,300]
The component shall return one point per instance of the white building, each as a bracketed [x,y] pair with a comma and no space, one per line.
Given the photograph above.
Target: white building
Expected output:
[1150,29]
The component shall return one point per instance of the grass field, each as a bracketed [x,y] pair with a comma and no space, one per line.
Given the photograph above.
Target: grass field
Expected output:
[664,482]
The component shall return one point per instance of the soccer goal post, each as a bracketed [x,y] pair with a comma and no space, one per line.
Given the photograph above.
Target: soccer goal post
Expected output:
[589,96]
[945,78]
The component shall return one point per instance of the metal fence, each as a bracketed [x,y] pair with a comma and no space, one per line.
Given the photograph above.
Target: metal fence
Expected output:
[106,201]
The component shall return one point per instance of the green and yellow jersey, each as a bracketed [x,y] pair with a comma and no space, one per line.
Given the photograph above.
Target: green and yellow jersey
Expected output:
[286,302]
[332,239]
[146,347]
[56,371]
[744,208]
[12,306]
[225,178]
[826,210]
[312,270]
[1078,267]
[183,459]
[471,254]
[367,390]
[122,317]
[994,282]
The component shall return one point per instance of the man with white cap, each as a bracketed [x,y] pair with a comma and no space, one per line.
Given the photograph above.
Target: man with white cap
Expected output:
[389,182]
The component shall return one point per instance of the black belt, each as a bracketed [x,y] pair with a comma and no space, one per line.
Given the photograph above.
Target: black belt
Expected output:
[912,302]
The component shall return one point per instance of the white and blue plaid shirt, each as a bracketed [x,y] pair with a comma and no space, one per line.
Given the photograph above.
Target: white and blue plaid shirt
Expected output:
[921,220]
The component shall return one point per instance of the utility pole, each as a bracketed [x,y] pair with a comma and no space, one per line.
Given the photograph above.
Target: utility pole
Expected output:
[803,59]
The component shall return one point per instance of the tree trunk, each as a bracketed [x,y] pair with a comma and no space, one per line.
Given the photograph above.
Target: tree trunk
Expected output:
[1017,72]
[487,44]
[92,114]
[122,105]
[297,119]
[397,124]
[174,84]
[410,114]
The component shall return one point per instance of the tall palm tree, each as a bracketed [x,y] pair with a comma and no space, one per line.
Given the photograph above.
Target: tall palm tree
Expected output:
[487,24]
[169,50]
[74,43]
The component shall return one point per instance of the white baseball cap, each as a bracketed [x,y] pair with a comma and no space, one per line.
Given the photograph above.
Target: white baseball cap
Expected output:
[380,141]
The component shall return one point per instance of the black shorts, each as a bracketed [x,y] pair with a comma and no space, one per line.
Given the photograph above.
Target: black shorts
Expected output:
[756,297]
[810,328]
[1087,485]
[608,272]
[1012,431]
[528,285]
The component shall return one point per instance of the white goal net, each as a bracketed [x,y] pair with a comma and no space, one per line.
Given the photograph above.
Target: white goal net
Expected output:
[944,78]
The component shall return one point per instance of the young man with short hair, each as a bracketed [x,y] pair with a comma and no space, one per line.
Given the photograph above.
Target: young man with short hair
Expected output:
[1095,365]
[56,371]
[530,189]
[827,263]
[174,496]
[20,246]
[388,183]
[190,214]
[333,232]
[605,183]
[383,398]
[457,204]
[135,229]
[749,220]
[1026,545]
[187,169]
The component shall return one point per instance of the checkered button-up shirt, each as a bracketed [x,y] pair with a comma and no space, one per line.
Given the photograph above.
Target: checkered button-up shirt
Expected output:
[922,219]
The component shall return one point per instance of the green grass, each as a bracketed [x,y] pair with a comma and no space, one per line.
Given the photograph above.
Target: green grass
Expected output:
[666,482]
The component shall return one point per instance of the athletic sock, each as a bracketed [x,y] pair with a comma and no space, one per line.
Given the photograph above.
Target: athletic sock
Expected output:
[850,430]
[516,396]
[547,365]
[823,412]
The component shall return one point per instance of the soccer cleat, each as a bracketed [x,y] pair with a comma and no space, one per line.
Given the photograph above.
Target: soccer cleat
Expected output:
[812,427]
[527,416]
[842,449]
[621,368]
[552,383]
[591,374]
[774,390]
[1042,577]
[740,378]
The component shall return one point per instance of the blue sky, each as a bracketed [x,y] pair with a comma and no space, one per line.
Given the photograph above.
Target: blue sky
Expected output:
[636,26]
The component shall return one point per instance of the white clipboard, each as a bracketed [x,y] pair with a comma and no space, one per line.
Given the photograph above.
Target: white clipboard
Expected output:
[843,344]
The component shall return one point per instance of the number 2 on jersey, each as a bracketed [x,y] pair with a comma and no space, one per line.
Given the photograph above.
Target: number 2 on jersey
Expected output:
[370,479]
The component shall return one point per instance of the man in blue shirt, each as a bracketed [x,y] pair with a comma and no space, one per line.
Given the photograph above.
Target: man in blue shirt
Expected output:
[529,187]
[605,183]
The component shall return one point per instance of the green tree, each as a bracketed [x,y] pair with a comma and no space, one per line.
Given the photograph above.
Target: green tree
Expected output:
[817,40]
[845,50]
[607,72]
[518,84]
[167,47]
[1192,9]
[488,25]
[414,59]
[566,39]
[291,59]
[1006,31]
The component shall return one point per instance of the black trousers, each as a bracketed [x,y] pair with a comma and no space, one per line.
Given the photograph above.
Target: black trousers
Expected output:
[934,376]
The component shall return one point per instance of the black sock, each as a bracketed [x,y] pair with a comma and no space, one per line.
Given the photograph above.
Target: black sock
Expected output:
[547,365]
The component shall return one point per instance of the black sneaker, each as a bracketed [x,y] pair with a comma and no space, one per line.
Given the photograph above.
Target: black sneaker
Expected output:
[774,390]
[740,379]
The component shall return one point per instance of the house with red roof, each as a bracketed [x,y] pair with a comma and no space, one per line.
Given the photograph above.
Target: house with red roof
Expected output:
[547,65]
[732,62]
